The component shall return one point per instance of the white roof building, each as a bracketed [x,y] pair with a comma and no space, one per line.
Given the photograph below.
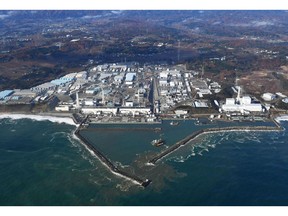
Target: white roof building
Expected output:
[285,100]
[130,77]
[242,108]
[281,95]
[230,101]
[24,93]
[129,103]
[118,78]
[44,87]
[245,100]
[268,96]
[163,82]
[104,76]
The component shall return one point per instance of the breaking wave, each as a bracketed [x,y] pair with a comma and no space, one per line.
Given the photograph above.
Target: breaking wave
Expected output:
[203,144]
[282,118]
[65,120]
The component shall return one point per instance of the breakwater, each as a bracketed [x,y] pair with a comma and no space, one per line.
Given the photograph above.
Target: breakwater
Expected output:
[124,129]
[106,161]
[194,135]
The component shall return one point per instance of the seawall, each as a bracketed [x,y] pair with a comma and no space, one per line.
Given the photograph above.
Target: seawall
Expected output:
[207,131]
[107,162]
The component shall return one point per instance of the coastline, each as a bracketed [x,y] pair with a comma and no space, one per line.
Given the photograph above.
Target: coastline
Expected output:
[66,119]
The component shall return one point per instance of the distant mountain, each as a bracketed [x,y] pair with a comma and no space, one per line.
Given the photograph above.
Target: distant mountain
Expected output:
[53,14]
[165,16]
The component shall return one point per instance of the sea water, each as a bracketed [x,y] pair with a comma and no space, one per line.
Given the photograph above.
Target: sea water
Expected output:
[41,163]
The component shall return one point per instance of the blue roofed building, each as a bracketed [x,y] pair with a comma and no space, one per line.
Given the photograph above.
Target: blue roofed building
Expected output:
[64,80]
[5,93]
[61,81]
[129,78]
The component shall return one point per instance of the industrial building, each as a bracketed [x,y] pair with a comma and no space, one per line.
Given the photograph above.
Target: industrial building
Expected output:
[5,93]
[240,104]
[285,100]
[129,78]
[24,93]
[99,110]
[135,110]
[268,96]
[64,80]
[44,87]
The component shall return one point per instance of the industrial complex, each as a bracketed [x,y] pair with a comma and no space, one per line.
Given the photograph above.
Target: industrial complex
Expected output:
[128,92]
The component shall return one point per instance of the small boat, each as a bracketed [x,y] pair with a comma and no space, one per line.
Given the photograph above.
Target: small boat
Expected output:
[174,123]
[157,142]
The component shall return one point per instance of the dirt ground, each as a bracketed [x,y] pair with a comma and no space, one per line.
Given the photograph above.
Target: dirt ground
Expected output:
[259,82]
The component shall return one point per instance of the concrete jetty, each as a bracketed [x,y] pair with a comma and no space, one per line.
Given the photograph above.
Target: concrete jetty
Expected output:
[211,130]
[107,162]
[124,129]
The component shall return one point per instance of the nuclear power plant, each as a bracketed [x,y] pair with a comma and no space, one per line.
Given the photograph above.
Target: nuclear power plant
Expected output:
[241,104]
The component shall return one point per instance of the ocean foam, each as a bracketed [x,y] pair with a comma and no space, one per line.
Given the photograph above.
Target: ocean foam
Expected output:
[65,120]
[282,118]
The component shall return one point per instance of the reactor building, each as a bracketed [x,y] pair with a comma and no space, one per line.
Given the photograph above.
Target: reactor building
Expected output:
[241,104]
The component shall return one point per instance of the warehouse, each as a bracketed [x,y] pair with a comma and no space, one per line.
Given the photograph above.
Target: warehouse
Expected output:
[129,78]
[44,87]
[5,93]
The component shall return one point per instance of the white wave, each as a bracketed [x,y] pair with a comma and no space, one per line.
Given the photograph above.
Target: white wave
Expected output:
[65,120]
[121,165]
[282,118]
[123,187]
[59,135]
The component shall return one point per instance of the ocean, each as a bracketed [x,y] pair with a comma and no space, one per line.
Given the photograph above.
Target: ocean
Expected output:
[43,164]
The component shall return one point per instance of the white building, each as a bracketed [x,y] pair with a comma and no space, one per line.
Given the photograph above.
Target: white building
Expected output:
[44,87]
[99,110]
[129,78]
[242,108]
[24,93]
[268,96]
[281,95]
[245,100]
[104,76]
[285,100]
[88,102]
[164,74]
[118,79]
[181,112]
[81,75]
[62,108]
[230,101]
[135,110]
[241,104]
[163,82]
[129,103]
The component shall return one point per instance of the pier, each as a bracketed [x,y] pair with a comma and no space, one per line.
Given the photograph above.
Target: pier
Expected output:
[211,130]
[106,161]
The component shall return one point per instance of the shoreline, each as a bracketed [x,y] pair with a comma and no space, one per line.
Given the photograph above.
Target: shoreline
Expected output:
[66,119]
